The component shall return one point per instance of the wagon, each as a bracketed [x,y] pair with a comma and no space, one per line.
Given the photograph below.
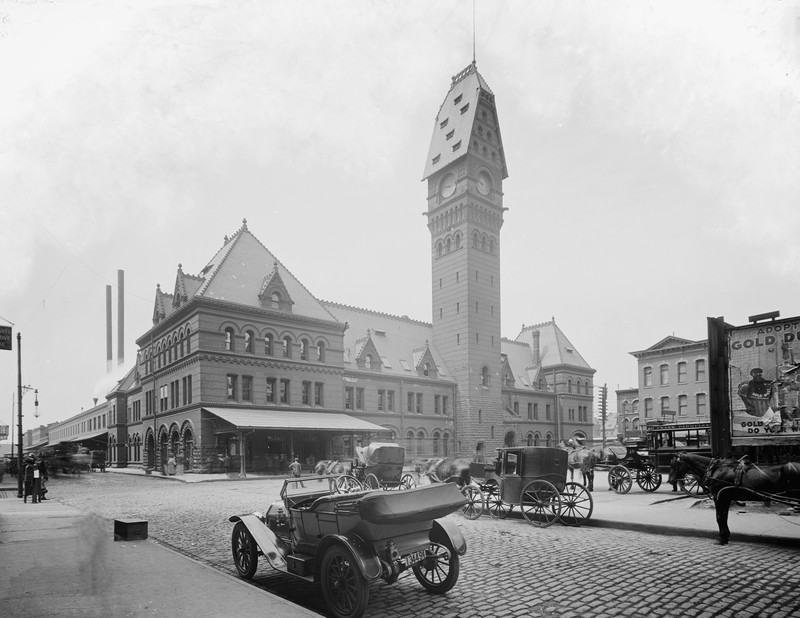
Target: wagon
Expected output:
[533,478]
[621,472]
[380,466]
[345,541]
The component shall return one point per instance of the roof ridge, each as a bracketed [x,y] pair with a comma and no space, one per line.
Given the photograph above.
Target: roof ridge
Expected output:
[403,318]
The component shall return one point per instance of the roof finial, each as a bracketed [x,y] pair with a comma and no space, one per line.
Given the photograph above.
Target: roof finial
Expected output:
[244,224]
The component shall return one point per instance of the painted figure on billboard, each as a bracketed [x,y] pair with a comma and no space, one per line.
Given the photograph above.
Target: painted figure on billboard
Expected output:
[756,393]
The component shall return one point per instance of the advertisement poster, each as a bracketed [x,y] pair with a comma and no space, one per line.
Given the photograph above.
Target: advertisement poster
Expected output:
[765,380]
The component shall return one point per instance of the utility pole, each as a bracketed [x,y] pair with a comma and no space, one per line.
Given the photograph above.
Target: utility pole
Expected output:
[603,411]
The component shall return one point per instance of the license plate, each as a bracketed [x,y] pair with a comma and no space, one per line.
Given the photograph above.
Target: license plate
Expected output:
[414,557]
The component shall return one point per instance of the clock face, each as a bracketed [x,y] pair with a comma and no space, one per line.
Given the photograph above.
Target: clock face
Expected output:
[484,183]
[448,186]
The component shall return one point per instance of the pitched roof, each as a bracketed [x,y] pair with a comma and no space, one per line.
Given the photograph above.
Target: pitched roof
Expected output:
[457,116]
[237,274]
[398,340]
[554,347]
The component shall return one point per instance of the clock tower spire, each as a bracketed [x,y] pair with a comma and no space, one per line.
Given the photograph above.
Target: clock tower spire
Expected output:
[465,170]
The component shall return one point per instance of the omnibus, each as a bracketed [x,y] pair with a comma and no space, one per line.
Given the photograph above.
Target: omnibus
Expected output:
[667,438]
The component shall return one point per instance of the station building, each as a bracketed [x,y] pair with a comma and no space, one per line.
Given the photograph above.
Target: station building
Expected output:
[245,367]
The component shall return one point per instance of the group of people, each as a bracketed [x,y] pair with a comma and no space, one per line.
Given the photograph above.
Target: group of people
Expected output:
[34,479]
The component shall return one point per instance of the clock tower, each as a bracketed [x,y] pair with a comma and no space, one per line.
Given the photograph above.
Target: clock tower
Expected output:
[465,170]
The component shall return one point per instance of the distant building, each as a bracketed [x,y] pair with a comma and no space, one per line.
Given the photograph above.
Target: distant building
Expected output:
[673,386]
[245,367]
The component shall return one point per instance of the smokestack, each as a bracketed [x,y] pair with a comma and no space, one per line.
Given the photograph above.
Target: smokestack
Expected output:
[536,359]
[109,351]
[120,317]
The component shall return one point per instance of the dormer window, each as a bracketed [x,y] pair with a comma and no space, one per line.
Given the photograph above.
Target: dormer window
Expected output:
[368,362]
[457,100]
[275,300]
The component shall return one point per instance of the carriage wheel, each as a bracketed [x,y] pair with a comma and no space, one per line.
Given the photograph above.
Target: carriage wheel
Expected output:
[245,551]
[344,588]
[438,572]
[540,503]
[407,482]
[494,503]
[690,485]
[619,479]
[347,484]
[371,481]
[576,504]
[474,506]
[648,478]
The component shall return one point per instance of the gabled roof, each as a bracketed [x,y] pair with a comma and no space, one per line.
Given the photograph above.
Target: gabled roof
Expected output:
[554,347]
[519,358]
[237,274]
[457,115]
[669,343]
[395,339]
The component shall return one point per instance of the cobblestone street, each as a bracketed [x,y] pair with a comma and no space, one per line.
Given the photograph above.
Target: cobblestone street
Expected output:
[511,568]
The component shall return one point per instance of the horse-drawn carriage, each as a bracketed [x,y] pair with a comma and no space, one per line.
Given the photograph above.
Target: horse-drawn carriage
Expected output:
[380,466]
[622,471]
[534,478]
[344,541]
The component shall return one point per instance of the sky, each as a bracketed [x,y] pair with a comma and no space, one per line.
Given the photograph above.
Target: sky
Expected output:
[653,150]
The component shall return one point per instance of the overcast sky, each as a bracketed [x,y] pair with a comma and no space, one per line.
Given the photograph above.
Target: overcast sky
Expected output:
[653,151]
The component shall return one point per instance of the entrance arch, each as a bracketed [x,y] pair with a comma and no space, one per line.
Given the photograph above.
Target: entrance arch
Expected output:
[510,439]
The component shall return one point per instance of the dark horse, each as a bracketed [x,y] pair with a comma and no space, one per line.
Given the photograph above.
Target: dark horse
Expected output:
[726,480]
[446,470]
[583,459]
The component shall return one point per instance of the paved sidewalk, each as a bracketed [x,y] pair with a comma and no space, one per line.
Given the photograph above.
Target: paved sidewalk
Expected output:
[58,561]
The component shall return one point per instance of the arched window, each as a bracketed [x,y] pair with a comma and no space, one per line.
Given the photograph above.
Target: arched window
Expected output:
[491,245]
[368,361]
[188,339]
[447,246]
[445,444]
[475,239]
[426,369]
[483,243]
[436,439]
[529,440]
[304,349]
[569,385]
[275,300]
[458,240]
[321,352]
[410,440]
[439,249]
[420,442]
[229,339]
[268,344]
[249,338]
[287,347]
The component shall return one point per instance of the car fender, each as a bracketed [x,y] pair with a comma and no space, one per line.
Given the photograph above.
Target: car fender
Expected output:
[445,532]
[368,562]
[265,539]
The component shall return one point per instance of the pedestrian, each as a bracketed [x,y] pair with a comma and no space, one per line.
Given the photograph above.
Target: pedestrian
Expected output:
[42,467]
[296,469]
[30,476]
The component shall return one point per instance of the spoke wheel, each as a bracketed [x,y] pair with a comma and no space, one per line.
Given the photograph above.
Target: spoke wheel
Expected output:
[690,485]
[474,506]
[407,482]
[344,588]
[372,482]
[540,503]
[245,551]
[494,503]
[438,572]
[576,504]
[619,479]
[346,484]
[648,478]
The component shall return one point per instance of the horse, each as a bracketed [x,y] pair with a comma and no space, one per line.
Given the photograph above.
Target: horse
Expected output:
[447,470]
[585,460]
[726,480]
[329,466]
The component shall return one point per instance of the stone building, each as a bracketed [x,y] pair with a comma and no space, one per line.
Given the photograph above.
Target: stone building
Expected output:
[245,367]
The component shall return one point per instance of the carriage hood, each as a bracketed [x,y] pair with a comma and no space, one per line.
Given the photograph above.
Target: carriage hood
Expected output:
[381,453]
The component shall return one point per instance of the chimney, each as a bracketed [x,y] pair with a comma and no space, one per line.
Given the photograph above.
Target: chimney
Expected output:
[109,352]
[536,359]
[120,317]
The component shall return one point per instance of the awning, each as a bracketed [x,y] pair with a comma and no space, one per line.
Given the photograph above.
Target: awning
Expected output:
[91,436]
[246,418]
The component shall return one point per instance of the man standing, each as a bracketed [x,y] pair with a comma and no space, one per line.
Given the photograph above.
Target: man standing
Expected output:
[296,469]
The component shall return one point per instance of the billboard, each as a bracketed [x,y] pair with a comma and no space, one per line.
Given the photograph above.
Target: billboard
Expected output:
[5,338]
[764,381]
[3,432]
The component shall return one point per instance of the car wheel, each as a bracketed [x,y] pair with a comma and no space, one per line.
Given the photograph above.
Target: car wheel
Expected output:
[344,588]
[245,551]
[438,572]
